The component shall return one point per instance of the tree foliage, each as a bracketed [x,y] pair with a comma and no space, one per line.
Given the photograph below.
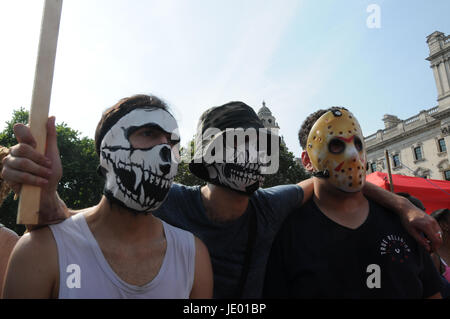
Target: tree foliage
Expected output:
[289,171]
[184,175]
[80,185]
[7,137]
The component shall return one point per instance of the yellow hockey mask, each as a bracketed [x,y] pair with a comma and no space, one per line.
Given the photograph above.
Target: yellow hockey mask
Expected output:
[337,151]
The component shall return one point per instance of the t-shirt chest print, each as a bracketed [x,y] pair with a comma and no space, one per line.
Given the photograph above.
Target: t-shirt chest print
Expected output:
[395,247]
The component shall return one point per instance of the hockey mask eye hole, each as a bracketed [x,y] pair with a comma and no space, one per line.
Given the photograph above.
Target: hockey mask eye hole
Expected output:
[336,146]
[358,144]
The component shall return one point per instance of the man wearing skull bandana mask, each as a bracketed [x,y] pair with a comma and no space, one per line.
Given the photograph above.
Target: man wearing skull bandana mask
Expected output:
[342,245]
[235,218]
[118,249]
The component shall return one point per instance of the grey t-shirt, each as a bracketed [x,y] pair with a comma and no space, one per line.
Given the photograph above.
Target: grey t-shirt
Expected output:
[227,242]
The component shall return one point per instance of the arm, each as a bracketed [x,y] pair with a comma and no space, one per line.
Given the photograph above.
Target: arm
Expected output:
[8,240]
[33,268]
[308,189]
[202,287]
[24,165]
[414,220]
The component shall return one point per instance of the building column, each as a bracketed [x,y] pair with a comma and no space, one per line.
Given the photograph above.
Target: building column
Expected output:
[447,144]
[437,78]
[444,77]
[445,131]
[447,69]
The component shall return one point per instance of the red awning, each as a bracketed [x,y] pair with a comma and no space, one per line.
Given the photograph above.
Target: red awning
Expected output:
[434,194]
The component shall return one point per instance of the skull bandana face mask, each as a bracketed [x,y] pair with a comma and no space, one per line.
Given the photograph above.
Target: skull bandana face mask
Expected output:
[241,177]
[336,149]
[227,163]
[241,171]
[139,179]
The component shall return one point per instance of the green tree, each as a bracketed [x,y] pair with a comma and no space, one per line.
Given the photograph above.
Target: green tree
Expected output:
[289,171]
[80,185]
[7,137]
[8,211]
[184,175]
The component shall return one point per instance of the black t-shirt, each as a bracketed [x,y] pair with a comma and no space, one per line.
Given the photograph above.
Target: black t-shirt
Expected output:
[227,242]
[314,257]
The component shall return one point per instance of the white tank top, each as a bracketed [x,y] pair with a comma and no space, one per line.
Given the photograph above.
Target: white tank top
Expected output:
[85,273]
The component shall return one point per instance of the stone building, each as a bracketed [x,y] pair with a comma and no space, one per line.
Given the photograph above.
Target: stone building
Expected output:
[266,116]
[269,121]
[418,145]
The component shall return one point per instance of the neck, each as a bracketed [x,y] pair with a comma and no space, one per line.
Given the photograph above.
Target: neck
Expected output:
[348,209]
[222,204]
[120,224]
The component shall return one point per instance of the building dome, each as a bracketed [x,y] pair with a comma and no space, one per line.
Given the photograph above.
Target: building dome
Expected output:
[264,111]
[265,115]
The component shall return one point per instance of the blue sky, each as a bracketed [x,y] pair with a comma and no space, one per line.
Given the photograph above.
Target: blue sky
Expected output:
[298,56]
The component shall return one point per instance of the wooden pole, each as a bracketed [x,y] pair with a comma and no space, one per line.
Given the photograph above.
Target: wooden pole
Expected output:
[40,103]
[388,163]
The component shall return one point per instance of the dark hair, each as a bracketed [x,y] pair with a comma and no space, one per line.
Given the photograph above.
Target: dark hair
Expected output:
[309,123]
[441,215]
[414,200]
[111,115]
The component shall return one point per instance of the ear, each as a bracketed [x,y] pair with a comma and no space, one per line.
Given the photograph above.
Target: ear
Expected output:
[307,162]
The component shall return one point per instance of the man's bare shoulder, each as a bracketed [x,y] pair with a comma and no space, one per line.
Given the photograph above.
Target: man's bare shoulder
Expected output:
[33,267]
[38,244]
[8,237]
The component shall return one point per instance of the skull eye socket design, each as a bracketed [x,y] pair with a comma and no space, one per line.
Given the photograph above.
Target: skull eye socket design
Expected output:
[141,136]
[336,146]
[358,144]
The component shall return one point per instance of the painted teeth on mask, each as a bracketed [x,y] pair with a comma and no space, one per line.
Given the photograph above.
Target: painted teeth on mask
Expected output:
[138,173]
[142,194]
[150,201]
[244,176]
[142,177]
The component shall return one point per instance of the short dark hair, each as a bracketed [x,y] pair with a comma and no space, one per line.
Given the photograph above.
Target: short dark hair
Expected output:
[414,200]
[441,215]
[309,123]
[111,115]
